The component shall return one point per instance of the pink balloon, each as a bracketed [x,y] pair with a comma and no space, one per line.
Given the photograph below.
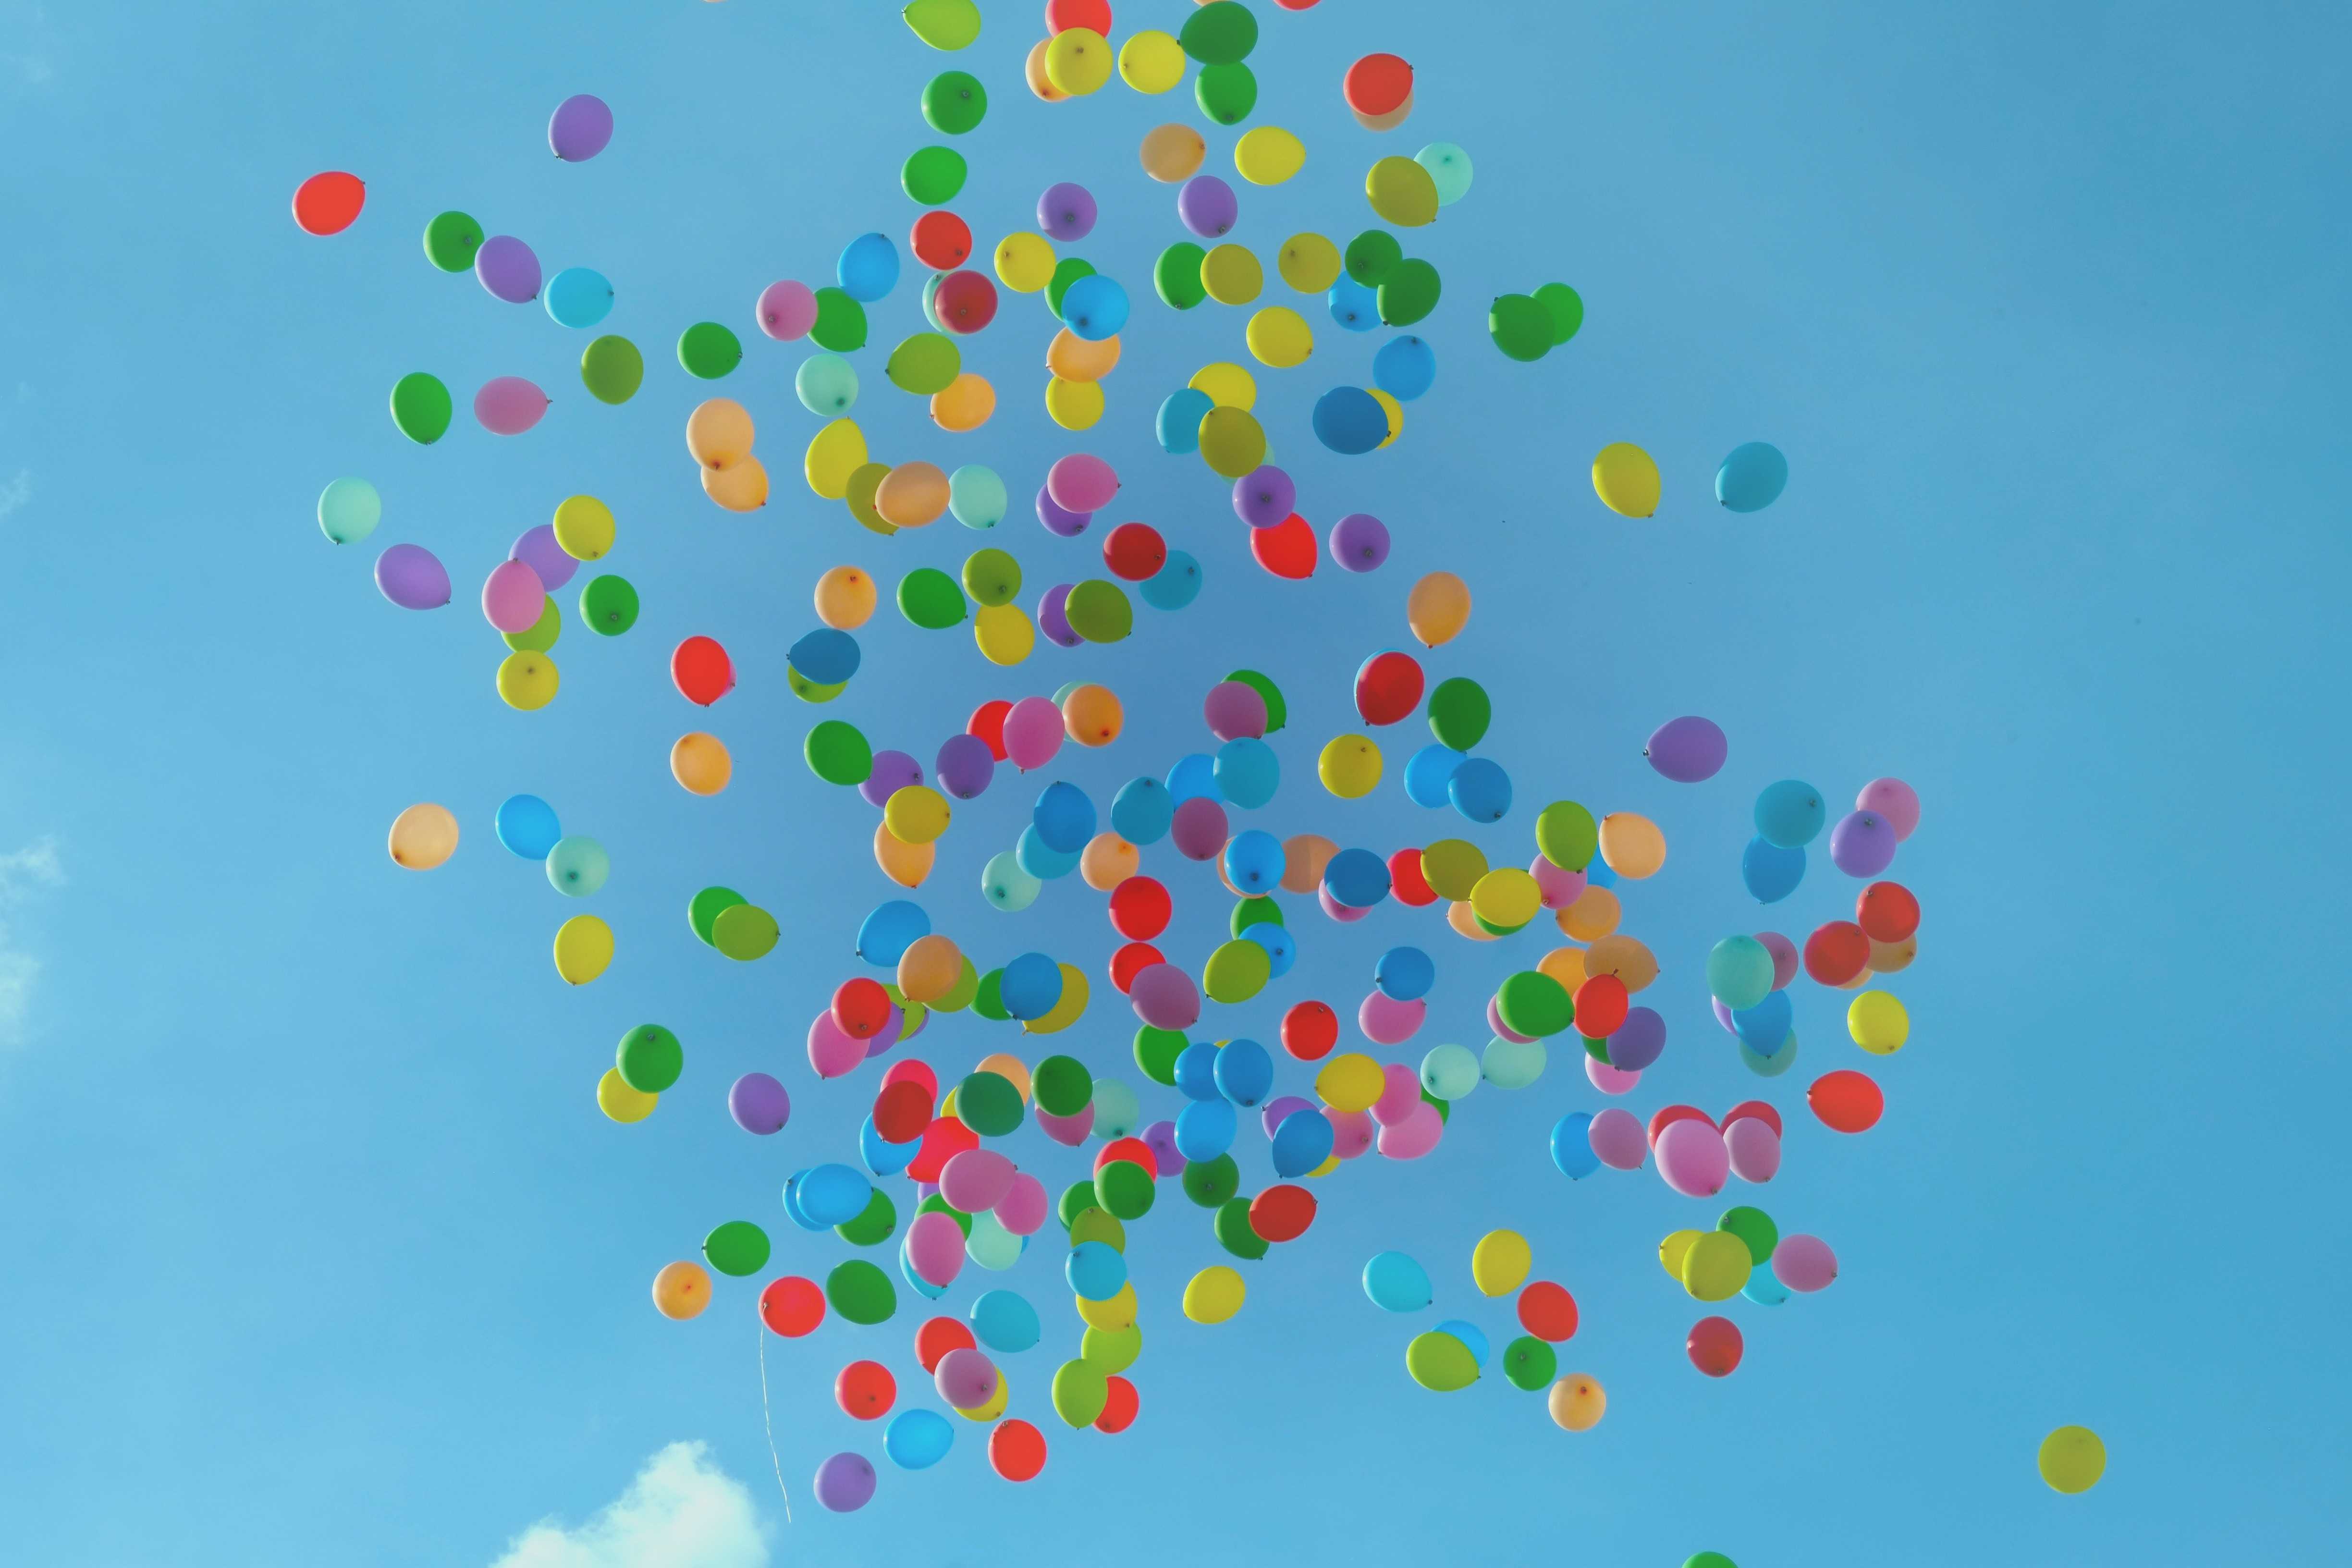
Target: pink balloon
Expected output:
[1495,1024]
[934,1251]
[1804,1263]
[1351,1131]
[1414,1136]
[1894,800]
[1617,1139]
[1784,956]
[1609,1079]
[1164,997]
[975,1180]
[1199,828]
[833,1051]
[1234,711]
[1081,482]
[1559,887]
[787,310]
[1336,909]
[1024,1206]
[509,405]
[1400,1094]
[1068,1130]
[1755,1149]
[1692,1158]
[1032,732]
[1386,1021]
[513,598]
[965,1377]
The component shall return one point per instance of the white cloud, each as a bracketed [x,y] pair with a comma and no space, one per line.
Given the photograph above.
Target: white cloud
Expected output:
[681,1511]
[16,493]
[34,64]
[22,872]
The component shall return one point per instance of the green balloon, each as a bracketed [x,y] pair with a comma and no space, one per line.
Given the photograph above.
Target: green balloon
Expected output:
[1708,1560]
[988,1000]
[1755,1228]
[706,906]
[938,1204]
[1097,1223]
[1080,1392]
[1076,1199]
[1176,276]
[1459,712]
[991,576]
[1532,1003]
[1597,1050]
[861,1292]
[1236,970]
[1067,271]
[1234,1232]
[943,24]
[1445,1107]
[1530,1363]
[924,364]
[1225,93]
[1371,255]
[737,1247]
[1567,309]
[1220,33]
[875,1226]
[838,754]
[1113,1350]
[1520,327]
[1098,611]
[1440,1361]
[1568,836]
[1156,1051]
[1062,1085]
[1125,1188]
[1255,912]
[1213,1183]
[1278,711]
[609,605]
[450,241]
[961,993]
[989,1104]
[420,406]
[808,690]
[650,1059]
[840,323]
[930,597]
[744,933]
[1408,294]
[611,369]
[543,631]
[932,176]
[708,351]
[954,102]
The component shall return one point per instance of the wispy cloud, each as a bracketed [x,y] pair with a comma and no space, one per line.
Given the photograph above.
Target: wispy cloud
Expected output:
[31,56]
[16,493]
[681,1511]
[23,873]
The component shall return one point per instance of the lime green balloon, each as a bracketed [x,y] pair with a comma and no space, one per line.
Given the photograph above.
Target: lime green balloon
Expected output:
[954,102]
[808,690]
[1440,1361]
[744,933]
[989,1104]
[1220,33]
[450,241]
[1567,309]
[1067,271]
[609,605]
[932,176]
[991,576]
[1176,276]
[1567,835]
[1125,1188]
[1211,1183]
[1532,1003]
[705,907]
[1062,1086]
[924,364]
[938,1204]
[961,993]
[708,351]
[1459,712]
[838,754]
[1156,1051]
[1520,326]
[988,1000]
[650,1059]
[943,24]
[1529,1364]
[1755,1228]
[861,1292]
[1100,611]
[1255,912]
[875,1226]
[421,407]
[840,323]
[1716,1266]
[1076,1199]
[1278,711]
[1408,294]
[1371,255]
[1081,1389]
[737,1247]
[1232,1227]
[930,597]
[1225,93]
[1237,970]
[1113,1350]
[611,369]
[543,631]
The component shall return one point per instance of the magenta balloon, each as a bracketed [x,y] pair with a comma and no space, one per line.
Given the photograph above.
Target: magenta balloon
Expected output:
[1360,542]
[1692,1158]
[1559,887]
[1784,956]
[1199,830]
[1271,1116]
[1495,1024]
[935,1252]
[965,1377]
[509,405]
[507,267]
[1161,1139]
[976,1179]
[845,1483]
[537,549]
[1265,496]
[1386,1021]
[513,597]
[1804,1263]
[759,1104]
[1164,997]
[1351,1131]
[1617,1139]
[964,765]
[1894,800]
[1207,206]
[1640,1041]
[1023,1208]
[1863,843]
[1687,749]
[1059,519]
[831,1050]
[1755,1149]
[1401,1091]
[1335,909]
[893,770]
[787,310]
[1069,1130]
[1234,711]
[1415,1135]
[1054,617]
[1066,211]
[1609,1079]
[412,577]
[1032,732]
[1081,482]
[579,128]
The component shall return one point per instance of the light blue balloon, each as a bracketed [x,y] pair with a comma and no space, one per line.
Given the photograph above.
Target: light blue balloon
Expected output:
[1764,1288]
[1064,817]
[931,301]
[580,297]
[916,1439]
[1245,1072]
[1397,1283]
[1469,1334]
[1281,947]
[1192,778]
[1041,860]
[1740,971]
[528,825]
[991,1246]
[1254,861]
[868,267]
[834,1194]
[1003,883]
[348,510]
[976,496]
[1355,307]
[1774,1064]
[1572,1146]
[827,385]
[1141,811]
[1176,585]
[1302,1143]
[1449,1072]
[1031,983]
[883,1158]
[1480,789]
[1428,772]
[1205,1128]
[1599,875]
[1196,1071]
[792,1209]
[1357,877]
[578,866]
[889,929]
[1790,813]
[1406,974]
[1349,421]
[1004,1321]
[1512,1064]
[1449,171]
[1247,773]
[1179,424]
[1096,1270]
[827,655]
[1771,872]
[1404,368]
[1116,1111]
[1094,308]
[1752,478]
[923,1286]
[1766,1025]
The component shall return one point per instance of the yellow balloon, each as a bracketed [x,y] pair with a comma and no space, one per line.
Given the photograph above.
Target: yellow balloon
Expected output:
[1024,262]
[1229,385]
[1214,1295]
[1009,1067]
[528,680]
[1506,897]
[1500,1261]
[1393,409]
[1232,275]
[1631,844]
[1267,155]
[1173,153]
[1040,82]
[1079,61]
[2072,1460]
[1350,1081]
[1309,263]
[1458,915]
[617,1100]
[916,814]
[1092,716]
[1005,634]
[681,1290]
[1578,1402]
[584,947]
[1592,916]
[1074,405]
[1565,965]
[1402,192]
[837,452]
[845,598]
[718,432]
[741,486]
[1232,441]
[911,495]
[1626,480]
[584,527]
[1099,1225]
[1716,1266]
[996,1403]
[1065,1012]
[1349,767]
[948,1103]
[1878,1022]
[1893,957]
[865,484]
[1675,1248]
[1151,62]
[1438,609]
[1118,1312]
[1107,860]
[1279,336]
[1331,1163]
[423,836]
[965,404]
[699,762]
[1451,868]
[1624,957]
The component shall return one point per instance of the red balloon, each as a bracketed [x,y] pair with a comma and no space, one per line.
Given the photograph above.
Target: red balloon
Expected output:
[1134,1149]
[940,240]
[943,1140]
[865,1389]
[1309,1030]
[1119,1410]
[791,1306]
[1388,688]
[861,1007]
[1601,1004]
[1288,549]
[1283,1212]
[702,670]
[1715,1346]
[1135,551]
[1886,912]
[1376,85]
[988,724]
[913,1069]
[1406,882]
[1139,908]
[1837,952]
[964,302]
[1131,960]
[1016,1450]
[1668,1115]
[1756,1108]
[901,1111]
[329,203]
[936,1336]
[1064,14]
[1846,1100]
[1548,1311]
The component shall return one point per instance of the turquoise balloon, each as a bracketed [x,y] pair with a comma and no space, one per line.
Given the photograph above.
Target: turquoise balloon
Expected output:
[1764,1289]
[991,1246]
[1397,1284]
[916,1439]
[348,510]
[1007,885]
[578,866]
[1449,171]
[976,496]
[827,385]
[577,296]
[1789,815]
[1449,1071]
[1179,425]
[1143,811]
[1752,478]
[1740,971]
[1247,773]
[1355,306]
[1004,1321]
[1040,859]
[1469,1334]
[923,1286]
[1176,585]
[1771,872]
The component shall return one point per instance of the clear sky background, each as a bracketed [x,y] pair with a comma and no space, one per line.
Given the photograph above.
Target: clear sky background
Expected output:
[317,1248]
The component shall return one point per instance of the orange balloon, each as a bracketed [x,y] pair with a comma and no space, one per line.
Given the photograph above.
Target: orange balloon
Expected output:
[681,1290]
[1893,957]
[1302,859]
[1566,964]
[1073,358]
[845,597]
[965,405]
[1092,716]
[1624,957]
[930,968]
[718,432]
[1631,844]
[1592,916]
[911,495]
[1465,920]
[1578,1402]
[1043,88]
[741,486]
[1173,153]
[1107,860]
[700,763]
[904,863]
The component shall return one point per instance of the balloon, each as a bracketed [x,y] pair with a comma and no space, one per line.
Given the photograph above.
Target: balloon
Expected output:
[1207,206]
[1804,1263]
[1349,421]
[1863,843]
[840,323]
[1499,1263]
[943,24]
[1213,1295]
[450,241]
[348,510]
[577,296]
[916,1439]
[700,763]
[1687,749]
[1016,1450]
[932,176]
[1630,846]
[1226,93]
[1523,329]
[330,203]
[1402,192]
[1877,1023]
[1846,1101]
[1626,480]
[617,1100]
[2072,1460]
[1837,952]
[1151,62]
[1577,1402]
[1280,337]
[1437,609]
[1479,789]
[1713,1346]
[744,931]
[420,407]
[681,1290]
[1409,293]
[507,267]
[1755,1149]
[1439,1362]
[1618,1140]
[1751,478]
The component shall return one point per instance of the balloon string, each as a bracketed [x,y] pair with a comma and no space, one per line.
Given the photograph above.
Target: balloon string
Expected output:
[767,1420]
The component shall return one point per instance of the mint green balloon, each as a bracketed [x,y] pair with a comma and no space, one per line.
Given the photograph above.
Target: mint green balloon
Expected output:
[976,495]
[578,866]
[348,510]
[1449,171]
[827,385]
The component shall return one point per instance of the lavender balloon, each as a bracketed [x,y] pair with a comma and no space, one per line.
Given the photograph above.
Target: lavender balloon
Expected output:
[883,1038]
[1164,997]
[1208,206]
[537,549]
[893,770]
[1360,542]
[1066,211]
[1161,1139]
[1687,749]
[1276,1110]
[1234,711]
[1198,829]
[579,128]
[1640,1041]
[1265,496]
[412,577]
[509,405]
[1054,617]
[759,1104]
[1059,519]
[964,766]
[1784,956]
[845,1483]
[507,267]
[1863,843]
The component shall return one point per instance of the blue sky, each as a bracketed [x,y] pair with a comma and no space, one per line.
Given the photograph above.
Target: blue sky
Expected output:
[318,1247]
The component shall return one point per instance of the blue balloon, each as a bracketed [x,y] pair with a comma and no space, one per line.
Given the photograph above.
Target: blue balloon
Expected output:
[869,269]
[1348,420]
[1572,1146]
[528,825]
[1599,875]
[1204,1128]
[918,1438]
[1357,877]
[1254,861]
[1764,1288]
[1771,872]
[1176,585]
[1404,368]
[1397,1283]
[1245,1072]
[1480,789]
[1179,425]
[1247,773]
[1096,1270]
[1469,1334]
[834,1194]
[1030,985]
[881,1157]
[1763,1027]
[886,933]
[1355,307]
[1752,478]
[1789,815]
[1404,974]
[792,1209]
[1064,817]
[1094,308]
[1281,947]
[1302,1143]
[922,1285]
[1196,1071]
[1193,777]
[1004,1321]
[577,296]
[826,655]
[1141,811]
[1041,860]
[1428,772]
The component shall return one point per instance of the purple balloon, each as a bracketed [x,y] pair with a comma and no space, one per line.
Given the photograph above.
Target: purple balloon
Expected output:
[1723,1016]
[1164,997]
[1863,843]
[505,267]
[1199,830]
[1265,496]
[964,766]
[1161,1139]
[893,770]
[1066,211]
[1208,206]
[1784,956]
[1495,1024]
[1640,1041]
[538,551]
[1059,519]
[1276,1110]
[1360,542]
[1234,711]
[1618,1139]
[412,577]
[579,128]
[883,1038]
[1687,749]
[845,1483]
[1054,617]
[759,1104]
